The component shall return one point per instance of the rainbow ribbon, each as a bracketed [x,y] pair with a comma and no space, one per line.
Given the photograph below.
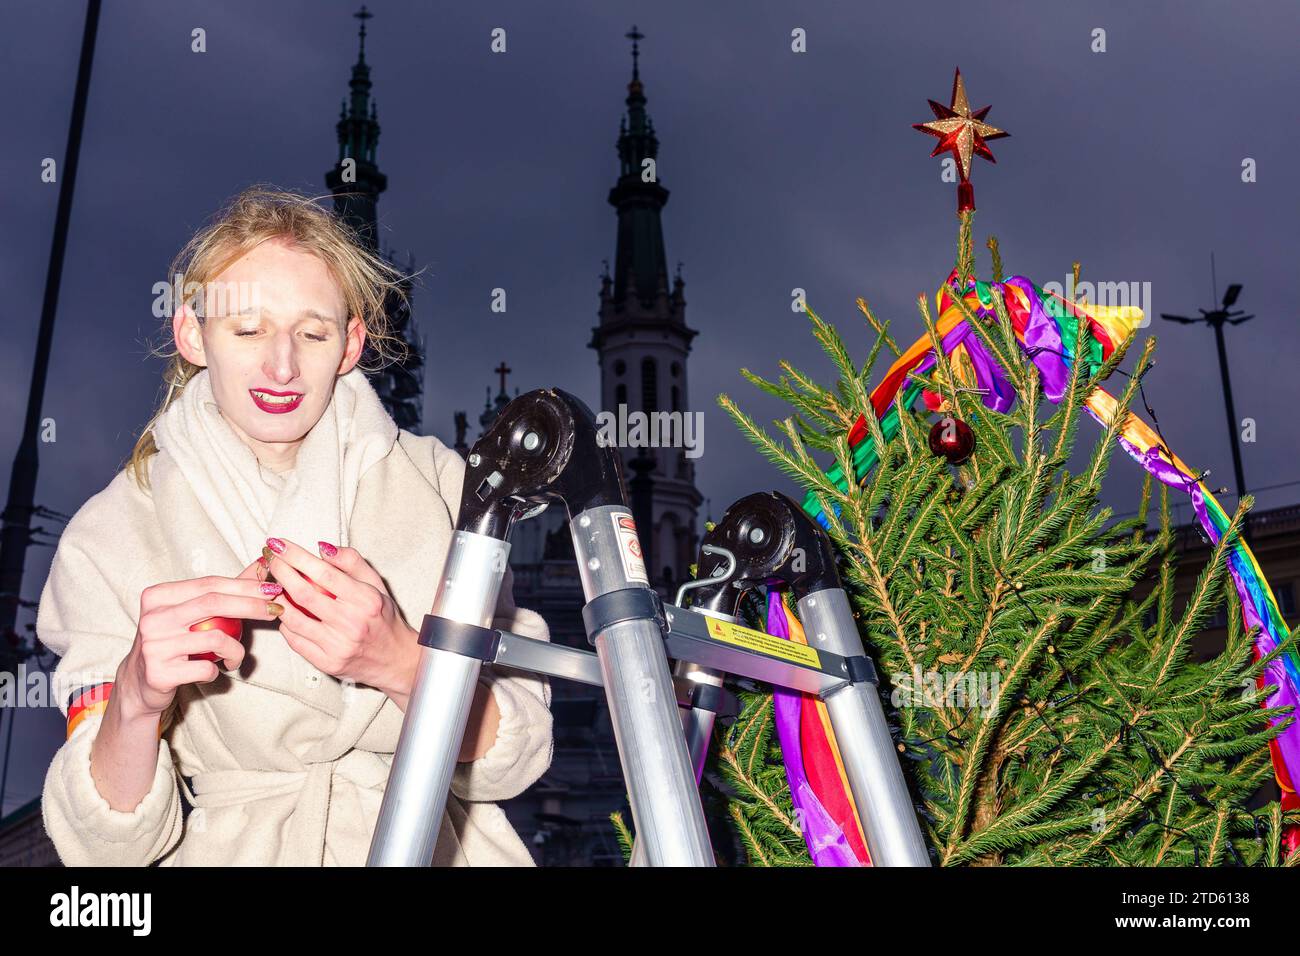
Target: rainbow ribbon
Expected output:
[1046,329]
[819,786]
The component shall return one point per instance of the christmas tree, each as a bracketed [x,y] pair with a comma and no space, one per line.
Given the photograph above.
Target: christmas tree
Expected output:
[1048,716]
[1045,716]
[1044,713]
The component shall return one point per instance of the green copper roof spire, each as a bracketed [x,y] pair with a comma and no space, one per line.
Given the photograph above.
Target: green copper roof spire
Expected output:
[358,134]
[639,261]
[636,139]
[357,185]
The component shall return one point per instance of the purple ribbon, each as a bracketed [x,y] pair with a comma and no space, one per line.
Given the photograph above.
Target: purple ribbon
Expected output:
[1042,342]
[823,836]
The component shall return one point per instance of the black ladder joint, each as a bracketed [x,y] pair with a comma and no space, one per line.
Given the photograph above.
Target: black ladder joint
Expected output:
[627,604]
[467,640]
[861,669]
[699,695]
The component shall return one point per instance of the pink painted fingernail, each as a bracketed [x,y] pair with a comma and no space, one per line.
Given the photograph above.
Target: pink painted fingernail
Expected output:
[276,545]
[327,549]
[272,588]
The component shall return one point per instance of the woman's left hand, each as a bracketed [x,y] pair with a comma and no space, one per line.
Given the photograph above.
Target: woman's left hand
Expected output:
[358,634]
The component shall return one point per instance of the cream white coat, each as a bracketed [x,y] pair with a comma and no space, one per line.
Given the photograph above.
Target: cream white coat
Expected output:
[288,764]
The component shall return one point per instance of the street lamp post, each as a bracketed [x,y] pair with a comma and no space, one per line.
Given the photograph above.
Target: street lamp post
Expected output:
[1216,319]
[15,520]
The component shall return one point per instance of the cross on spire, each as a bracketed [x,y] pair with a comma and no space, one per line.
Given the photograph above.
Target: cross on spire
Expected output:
[358,137]
[634,35]
[363,15]
[503,370]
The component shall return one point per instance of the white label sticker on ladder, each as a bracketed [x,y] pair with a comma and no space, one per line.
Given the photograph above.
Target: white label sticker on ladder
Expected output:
[629,548]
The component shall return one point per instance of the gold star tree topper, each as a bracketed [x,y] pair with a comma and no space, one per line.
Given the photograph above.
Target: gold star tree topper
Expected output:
[962,132]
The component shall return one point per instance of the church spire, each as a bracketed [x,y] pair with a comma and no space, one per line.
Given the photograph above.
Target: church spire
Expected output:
[636,140]
[356,180]
[639,261]
[643,344]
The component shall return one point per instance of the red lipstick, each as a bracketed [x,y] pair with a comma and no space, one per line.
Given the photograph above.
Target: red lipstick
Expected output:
[279,406]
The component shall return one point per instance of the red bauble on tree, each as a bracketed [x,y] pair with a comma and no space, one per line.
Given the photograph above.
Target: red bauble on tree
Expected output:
[952,439]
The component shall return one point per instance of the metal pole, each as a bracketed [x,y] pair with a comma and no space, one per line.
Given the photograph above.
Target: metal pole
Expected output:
[870,758]
[1217,321]
[697,724]
[661,784]
[17,514]
[437,713]
[4,775]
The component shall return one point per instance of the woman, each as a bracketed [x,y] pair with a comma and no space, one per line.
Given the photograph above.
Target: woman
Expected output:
[271,442]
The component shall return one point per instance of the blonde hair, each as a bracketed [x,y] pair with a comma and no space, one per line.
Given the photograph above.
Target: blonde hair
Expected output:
[252,217]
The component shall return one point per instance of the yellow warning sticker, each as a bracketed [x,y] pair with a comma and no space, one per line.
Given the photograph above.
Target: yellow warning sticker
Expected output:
[753,640]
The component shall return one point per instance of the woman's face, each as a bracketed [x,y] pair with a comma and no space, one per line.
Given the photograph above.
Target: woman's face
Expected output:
[275,338]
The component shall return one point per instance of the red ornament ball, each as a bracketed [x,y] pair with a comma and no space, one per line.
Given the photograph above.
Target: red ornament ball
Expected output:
[230,625]
[951,438]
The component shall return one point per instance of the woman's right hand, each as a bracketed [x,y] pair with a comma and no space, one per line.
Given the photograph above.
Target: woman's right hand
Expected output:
[158,662]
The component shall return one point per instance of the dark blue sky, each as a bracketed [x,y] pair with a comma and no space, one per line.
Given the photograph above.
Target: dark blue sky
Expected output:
[785,170]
